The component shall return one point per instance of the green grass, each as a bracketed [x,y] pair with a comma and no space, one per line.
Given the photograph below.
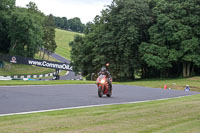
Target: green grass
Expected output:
[15,69]
[177,83]
[52,82]
[37,56]
[179,115]
[63,38]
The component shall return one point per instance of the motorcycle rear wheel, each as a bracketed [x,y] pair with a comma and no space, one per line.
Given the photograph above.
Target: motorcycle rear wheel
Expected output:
[109,94]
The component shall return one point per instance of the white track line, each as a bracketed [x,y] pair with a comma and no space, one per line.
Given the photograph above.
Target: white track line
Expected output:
[89,106]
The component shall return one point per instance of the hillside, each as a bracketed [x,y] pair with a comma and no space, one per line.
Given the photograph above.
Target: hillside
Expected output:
[62,40]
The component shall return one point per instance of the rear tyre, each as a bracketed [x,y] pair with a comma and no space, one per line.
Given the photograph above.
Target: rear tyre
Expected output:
[100,92]
[109,94]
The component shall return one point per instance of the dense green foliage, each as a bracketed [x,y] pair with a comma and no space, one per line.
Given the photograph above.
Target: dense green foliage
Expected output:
[152,38]
[113,37]
[5,7]
[73,24]
[24,31]
[49,36]
[174,45]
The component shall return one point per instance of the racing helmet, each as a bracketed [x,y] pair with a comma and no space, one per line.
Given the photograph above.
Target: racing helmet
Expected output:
[103,69]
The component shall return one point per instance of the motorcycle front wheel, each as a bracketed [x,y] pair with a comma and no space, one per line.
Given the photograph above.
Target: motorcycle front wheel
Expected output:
[100,91]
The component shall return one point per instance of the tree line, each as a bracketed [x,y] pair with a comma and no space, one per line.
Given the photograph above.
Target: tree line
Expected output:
[149,38]
[25,31]
[73,24]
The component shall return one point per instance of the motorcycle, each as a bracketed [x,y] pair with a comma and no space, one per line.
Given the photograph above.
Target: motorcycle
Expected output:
[103,86]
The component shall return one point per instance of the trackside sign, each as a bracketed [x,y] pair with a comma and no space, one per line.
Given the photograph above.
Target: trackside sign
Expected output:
[35,62]
[49,65]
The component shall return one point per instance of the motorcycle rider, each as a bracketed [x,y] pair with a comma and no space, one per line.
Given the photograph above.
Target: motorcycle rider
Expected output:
[108,76]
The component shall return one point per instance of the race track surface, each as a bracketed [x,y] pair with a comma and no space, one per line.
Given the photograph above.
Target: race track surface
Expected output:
[16,99]
[71,75]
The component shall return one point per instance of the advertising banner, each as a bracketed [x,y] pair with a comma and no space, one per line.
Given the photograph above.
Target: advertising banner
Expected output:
[35,62]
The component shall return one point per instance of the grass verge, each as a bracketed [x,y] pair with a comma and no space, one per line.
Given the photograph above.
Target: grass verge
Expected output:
[18,69]
[50,82]
[178,115]
[178,84]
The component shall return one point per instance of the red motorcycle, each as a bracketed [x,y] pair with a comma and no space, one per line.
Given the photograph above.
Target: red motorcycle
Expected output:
[103,86]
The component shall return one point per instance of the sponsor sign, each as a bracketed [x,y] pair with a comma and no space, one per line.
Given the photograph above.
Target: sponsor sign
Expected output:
[13,60]
[35,62]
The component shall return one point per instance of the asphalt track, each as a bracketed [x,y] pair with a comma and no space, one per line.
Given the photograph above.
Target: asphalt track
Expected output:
[71,75]
[17,99]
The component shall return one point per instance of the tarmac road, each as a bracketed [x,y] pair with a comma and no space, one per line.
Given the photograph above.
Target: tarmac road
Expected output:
[17,99]
[71,75]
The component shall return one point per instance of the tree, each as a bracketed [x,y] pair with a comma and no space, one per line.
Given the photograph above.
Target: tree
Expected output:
[65,23]
[129,21]
[81,55]
[32,7]
[25,33]
[114,37]
[20,29]
[4,40]
[6,6]
[49,35]
[75,24]
[60,22]
[88,28]
[174,37]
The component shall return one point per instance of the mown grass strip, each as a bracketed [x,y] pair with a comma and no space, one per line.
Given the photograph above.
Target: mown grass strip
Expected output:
[176,83]
[173,115]
[49,82]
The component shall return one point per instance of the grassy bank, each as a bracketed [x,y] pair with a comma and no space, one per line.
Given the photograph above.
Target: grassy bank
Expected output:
[63,38]
[15,69]
[52,82]
[180,115]
[178,84]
